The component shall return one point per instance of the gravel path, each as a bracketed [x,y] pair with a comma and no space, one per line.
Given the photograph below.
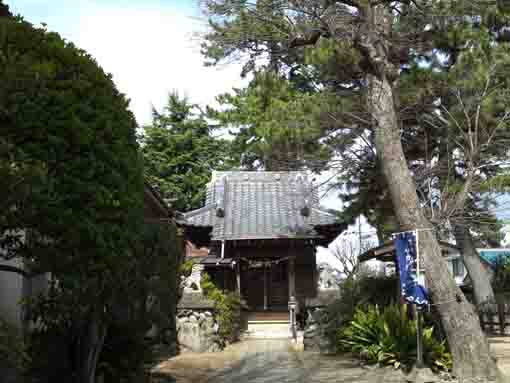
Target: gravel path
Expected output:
[267,361]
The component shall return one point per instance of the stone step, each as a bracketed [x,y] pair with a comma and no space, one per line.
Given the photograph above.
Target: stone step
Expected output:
[265,335]
[268,330]
[262,316]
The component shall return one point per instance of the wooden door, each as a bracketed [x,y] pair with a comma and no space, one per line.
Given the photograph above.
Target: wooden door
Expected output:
[278,290]
[252,284]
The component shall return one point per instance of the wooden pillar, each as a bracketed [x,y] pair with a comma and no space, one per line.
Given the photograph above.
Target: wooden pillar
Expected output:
[292,278]
[265,288]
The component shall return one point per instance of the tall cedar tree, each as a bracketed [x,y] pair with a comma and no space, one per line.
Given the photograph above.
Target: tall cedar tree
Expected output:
[377,41]
[71,181]
[180,152]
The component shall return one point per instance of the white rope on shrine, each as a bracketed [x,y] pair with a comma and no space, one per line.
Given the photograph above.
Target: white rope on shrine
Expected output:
[276,261]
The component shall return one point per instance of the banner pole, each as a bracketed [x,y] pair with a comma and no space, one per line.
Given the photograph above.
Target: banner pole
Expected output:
[419,338]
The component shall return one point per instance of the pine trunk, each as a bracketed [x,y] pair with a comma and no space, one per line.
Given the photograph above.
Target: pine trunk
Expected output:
[482,288]
[470,349]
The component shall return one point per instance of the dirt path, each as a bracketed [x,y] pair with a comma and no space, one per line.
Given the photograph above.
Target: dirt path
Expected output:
[265,361]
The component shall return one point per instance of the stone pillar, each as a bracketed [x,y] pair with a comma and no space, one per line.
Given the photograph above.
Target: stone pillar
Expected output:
[238,276]
[293,307]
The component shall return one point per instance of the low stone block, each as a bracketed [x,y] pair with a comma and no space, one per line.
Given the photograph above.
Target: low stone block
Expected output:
[422,375]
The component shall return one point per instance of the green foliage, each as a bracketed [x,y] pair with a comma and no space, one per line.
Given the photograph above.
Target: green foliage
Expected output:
[49,355]
[357,293]
[501,277]
[279,125]
[72,178]
[125,355]
[231,23]
[227,306]
[180,151]
[13,348]
[499,183]
[69,160]
[187,268]
[149,300]
[388,337]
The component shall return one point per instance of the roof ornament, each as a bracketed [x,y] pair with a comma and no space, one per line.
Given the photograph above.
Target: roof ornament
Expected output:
[220,205]
[305,210]
[303,193]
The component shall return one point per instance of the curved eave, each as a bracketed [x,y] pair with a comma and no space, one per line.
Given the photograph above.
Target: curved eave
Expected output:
[329,232]
[200,236]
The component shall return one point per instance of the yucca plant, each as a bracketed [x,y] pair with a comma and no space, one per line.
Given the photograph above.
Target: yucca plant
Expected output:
[388,337]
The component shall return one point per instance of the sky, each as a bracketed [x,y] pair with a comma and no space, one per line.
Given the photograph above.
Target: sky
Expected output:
[147,45]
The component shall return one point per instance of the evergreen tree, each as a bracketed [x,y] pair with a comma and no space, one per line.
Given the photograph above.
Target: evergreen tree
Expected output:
[71,183]
[180,151]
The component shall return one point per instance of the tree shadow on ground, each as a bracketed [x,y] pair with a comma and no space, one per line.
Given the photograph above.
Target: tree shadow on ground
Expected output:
[291,367]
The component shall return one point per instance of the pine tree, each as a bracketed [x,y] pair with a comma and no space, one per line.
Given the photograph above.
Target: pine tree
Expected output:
[276,124]
[377,45]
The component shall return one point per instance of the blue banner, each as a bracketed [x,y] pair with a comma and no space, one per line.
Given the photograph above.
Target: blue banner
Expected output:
[412,291]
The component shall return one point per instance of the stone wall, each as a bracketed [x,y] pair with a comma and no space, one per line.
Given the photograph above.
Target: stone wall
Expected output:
[197,331]
[197,328]
[314,337]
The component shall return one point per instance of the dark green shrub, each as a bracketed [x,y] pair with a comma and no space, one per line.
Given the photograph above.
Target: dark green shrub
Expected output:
[388,337]
[13,349]
[125,355]
[378,290]
[149,298]
[360,291]
[227,306]
[51,358]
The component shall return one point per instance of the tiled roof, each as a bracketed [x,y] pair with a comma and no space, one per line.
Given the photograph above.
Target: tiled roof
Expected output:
[258,205]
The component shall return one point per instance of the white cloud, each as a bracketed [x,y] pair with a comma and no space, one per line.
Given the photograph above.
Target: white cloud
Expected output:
[150,52]
[148,48]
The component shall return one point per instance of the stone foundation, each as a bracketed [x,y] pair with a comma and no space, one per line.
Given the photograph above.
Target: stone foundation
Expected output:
[197,331]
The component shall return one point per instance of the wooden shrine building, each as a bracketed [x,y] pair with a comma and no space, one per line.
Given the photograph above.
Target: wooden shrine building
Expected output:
[261,230]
